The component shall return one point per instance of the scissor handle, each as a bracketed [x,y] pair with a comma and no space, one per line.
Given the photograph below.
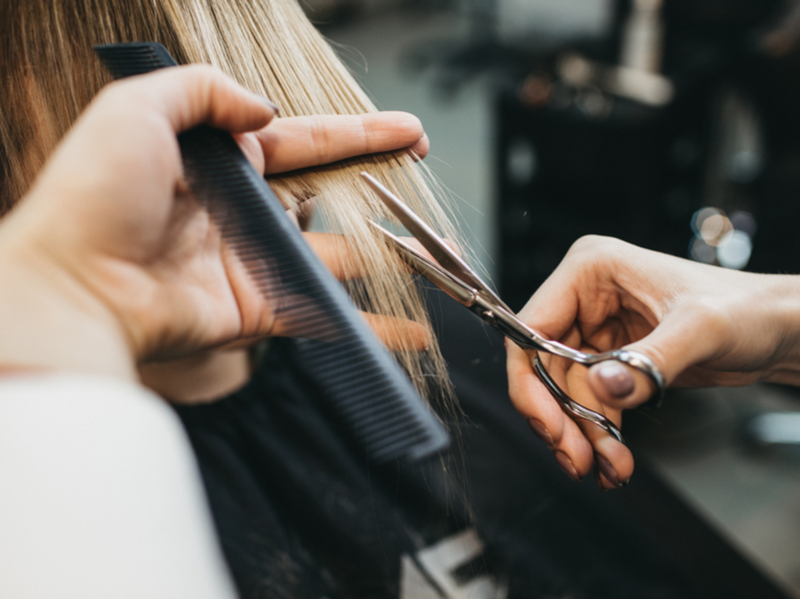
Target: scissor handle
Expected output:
[633,359]
[569,406]
[527,338]
[637,360]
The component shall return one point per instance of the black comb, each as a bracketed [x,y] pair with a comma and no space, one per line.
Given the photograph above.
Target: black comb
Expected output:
[368,390]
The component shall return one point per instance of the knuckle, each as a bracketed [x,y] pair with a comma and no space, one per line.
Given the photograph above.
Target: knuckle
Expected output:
[210,83]
[598,245]
[206,79]
[320,138]
[597,251]
[659,358]
[368,133]
[203,71]
[588,243]
[589,248]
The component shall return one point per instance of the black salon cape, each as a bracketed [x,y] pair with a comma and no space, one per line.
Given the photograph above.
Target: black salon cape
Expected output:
[301,513]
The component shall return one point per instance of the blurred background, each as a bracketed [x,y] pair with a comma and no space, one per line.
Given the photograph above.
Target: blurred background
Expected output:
[672,124]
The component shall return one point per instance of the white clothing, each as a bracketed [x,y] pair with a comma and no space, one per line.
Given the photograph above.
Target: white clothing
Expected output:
[100,494]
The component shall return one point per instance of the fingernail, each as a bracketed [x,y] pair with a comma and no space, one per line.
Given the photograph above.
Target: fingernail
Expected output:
[423,141]
[566,465]
[276,109]
[607,469]
[305,212]
[540,430]
[616,378]
[599,480]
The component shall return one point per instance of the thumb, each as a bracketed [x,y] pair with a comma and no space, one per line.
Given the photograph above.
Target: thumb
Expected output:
[676,344]
[195,94]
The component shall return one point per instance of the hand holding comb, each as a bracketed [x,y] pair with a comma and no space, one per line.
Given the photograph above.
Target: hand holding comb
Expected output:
[369,392]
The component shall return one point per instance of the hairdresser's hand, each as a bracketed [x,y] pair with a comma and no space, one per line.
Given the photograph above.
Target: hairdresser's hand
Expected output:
[112,261]
[701,325]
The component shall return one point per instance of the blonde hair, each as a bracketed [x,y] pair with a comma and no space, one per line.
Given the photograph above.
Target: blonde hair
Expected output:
[48,74]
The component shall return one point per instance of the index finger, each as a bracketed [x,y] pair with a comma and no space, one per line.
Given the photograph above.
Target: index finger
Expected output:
[299,142]
[553,308]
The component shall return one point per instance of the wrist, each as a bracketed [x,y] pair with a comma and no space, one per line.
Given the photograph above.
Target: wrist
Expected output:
[48,321]
[780,307]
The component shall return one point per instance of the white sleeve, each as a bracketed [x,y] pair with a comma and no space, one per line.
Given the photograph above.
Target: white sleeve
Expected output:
[100,494]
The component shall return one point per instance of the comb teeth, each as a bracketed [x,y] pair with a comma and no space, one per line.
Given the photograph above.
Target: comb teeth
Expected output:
[126,60]
[371,396]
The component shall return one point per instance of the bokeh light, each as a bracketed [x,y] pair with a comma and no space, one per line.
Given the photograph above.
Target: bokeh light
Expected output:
[735,253]
[721,240]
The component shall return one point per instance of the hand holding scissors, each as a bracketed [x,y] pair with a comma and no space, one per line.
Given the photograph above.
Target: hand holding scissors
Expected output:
[455,277]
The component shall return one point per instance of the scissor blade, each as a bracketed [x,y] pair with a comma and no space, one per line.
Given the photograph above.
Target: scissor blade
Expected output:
[444,255]
[458,290]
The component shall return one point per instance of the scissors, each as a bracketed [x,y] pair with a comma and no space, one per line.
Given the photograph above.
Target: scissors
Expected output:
[462,283]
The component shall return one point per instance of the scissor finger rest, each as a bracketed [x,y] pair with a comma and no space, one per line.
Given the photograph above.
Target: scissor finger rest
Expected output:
[525,337]
[571,407]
